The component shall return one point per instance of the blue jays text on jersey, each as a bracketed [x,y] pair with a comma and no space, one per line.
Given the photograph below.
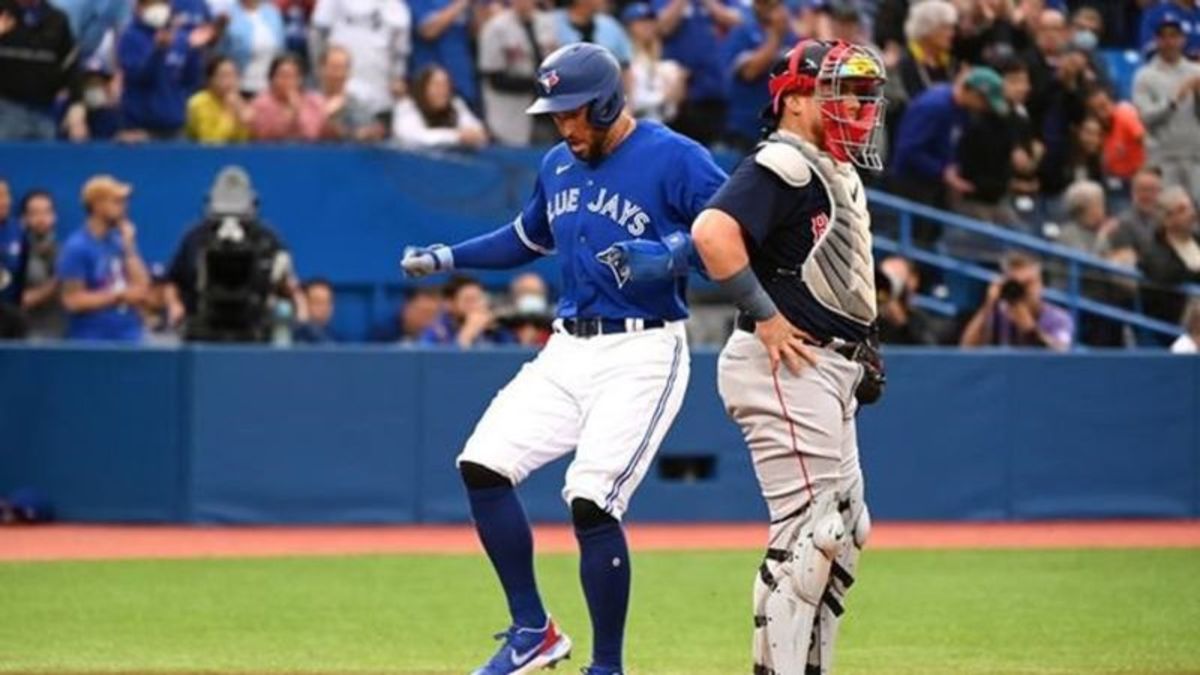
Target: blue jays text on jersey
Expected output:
[653,184]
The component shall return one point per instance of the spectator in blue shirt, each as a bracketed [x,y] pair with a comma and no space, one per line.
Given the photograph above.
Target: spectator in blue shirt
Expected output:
[442,37]
[253,39]
[14,255]
[1187,15]
[162,67]
[102,274]
[690,29]
[923,167]
[467,320]
[749,53]
[318,329]
[91,20]
[585,21]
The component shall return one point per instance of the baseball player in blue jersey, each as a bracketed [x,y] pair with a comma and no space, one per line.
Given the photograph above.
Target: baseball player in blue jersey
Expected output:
[615,199]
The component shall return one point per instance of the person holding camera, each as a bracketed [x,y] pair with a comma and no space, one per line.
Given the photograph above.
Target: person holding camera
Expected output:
[1014,314]
[231,279]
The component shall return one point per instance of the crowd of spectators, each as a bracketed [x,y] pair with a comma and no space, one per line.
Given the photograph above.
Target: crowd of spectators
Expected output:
[1005,111]
[92,283]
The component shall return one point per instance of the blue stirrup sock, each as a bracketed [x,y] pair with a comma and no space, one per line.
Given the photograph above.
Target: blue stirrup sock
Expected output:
[504,530]
[604,571]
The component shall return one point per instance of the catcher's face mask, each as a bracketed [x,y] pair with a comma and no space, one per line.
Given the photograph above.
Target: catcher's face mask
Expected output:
[846,81]
[850,93]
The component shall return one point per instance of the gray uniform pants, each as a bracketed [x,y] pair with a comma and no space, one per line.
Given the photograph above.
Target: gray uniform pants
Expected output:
[800,428]
[801,433]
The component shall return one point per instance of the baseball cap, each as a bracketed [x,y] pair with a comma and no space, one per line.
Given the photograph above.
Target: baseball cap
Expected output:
[102,187]
[988,83]
[1168,19]
[636,12]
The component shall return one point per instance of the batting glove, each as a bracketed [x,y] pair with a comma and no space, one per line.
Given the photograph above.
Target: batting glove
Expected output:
[420,261]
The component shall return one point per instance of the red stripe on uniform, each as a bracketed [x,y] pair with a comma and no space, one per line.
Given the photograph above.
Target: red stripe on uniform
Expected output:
[792,431]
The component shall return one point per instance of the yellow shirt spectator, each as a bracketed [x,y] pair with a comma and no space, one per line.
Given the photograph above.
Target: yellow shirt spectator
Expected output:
[210,120]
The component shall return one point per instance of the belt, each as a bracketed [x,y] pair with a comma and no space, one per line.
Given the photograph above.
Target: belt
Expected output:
[593,326]
[846,349]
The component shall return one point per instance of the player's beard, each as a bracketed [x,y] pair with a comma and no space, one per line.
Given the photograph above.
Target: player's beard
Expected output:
[593,150]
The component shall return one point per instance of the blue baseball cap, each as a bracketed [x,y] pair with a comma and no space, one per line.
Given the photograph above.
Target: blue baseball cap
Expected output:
[636,11]
[1168,19]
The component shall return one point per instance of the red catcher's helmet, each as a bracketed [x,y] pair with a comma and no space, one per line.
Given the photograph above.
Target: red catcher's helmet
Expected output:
[847,81]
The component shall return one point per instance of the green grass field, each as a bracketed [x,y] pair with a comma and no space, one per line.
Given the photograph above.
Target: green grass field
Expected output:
[911,612]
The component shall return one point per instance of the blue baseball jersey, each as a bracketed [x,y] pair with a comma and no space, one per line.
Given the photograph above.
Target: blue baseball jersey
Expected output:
[653,184]
[100,265]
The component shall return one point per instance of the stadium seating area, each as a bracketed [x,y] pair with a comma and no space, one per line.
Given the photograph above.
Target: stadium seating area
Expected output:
[1067,143]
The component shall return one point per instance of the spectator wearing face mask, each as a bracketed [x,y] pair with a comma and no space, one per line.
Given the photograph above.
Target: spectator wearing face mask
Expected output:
[217,114]
[530,316]
[100,101]
[162,66]
[433,117]
[1060,75]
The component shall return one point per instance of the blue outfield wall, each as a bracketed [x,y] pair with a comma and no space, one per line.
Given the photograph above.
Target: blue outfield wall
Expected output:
[252,435]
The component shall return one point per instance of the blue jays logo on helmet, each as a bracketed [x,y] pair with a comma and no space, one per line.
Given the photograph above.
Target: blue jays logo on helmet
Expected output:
[548,80]
[580,75]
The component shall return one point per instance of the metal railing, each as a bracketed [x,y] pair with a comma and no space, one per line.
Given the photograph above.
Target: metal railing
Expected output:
[1075,262]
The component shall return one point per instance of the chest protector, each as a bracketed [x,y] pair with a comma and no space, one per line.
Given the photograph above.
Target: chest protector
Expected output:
[840,269]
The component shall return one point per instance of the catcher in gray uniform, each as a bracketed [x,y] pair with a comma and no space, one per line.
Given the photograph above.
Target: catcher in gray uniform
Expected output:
[789,237]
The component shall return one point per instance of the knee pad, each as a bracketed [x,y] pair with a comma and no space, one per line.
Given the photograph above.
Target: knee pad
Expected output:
[585,514]
[862,527]
[479,477]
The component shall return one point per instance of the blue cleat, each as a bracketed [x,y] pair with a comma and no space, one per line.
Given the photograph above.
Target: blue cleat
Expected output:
[597,670]
[528,649]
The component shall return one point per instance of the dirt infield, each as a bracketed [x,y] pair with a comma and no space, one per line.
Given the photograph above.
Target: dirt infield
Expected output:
[82,542]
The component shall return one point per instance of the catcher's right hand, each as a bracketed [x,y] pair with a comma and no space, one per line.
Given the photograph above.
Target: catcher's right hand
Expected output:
[420,261]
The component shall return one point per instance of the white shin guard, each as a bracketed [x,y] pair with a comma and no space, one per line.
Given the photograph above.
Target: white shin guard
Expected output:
[842,571]
[790,585]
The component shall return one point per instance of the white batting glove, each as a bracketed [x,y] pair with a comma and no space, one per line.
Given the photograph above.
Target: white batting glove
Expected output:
[420,261]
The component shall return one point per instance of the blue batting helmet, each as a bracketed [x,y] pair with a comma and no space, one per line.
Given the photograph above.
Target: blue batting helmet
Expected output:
[577,75]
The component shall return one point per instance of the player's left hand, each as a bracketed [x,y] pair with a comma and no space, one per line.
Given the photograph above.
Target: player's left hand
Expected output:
[420,261]
[785,344]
